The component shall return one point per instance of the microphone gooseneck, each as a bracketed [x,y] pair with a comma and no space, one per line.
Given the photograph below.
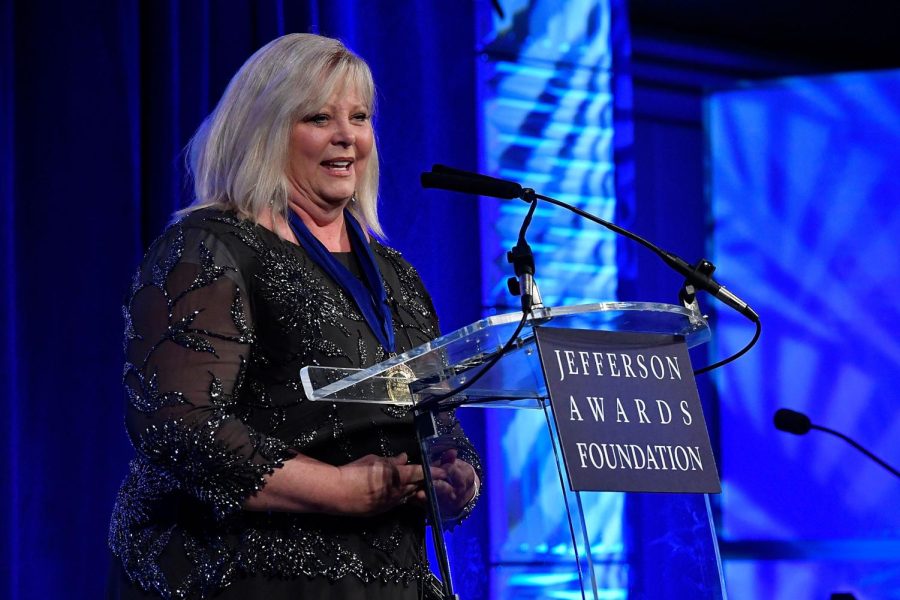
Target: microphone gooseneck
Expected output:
[798,423]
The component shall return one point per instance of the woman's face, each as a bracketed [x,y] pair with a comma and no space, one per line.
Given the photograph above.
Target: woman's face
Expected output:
[329,151]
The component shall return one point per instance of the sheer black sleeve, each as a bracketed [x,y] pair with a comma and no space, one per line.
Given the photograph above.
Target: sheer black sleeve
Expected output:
[188,335]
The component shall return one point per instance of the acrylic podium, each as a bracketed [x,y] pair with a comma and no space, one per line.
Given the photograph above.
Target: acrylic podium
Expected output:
[671,550]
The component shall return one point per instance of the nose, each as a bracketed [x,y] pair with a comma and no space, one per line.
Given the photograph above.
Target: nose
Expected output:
[344,134]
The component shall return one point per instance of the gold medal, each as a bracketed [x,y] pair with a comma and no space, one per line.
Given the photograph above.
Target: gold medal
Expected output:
[397,384]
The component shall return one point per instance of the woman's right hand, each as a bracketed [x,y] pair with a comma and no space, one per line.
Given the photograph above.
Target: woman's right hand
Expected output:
[375,484]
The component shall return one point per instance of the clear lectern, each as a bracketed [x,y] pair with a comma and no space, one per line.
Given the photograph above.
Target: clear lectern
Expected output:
[671,552]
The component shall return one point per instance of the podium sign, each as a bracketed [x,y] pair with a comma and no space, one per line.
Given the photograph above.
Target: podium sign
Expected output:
[627,411]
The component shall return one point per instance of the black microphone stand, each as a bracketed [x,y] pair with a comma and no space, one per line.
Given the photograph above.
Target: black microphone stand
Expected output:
[522,260]
[425,411]
[426,429]
[697,277]
[523,285]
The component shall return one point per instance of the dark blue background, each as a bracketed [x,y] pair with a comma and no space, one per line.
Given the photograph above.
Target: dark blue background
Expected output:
[97,101]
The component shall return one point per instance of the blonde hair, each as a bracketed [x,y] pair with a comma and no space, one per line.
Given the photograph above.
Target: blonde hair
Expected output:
[238,156]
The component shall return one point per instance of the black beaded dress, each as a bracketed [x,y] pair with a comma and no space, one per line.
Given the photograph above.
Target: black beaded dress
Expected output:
[221,317]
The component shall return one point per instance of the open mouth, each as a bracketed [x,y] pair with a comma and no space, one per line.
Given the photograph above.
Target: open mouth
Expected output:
[337,165]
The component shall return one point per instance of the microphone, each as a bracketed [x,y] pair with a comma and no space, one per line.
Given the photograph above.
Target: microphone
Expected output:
[480,185]
[706,283]
[457,180]
[797,423]
[792,421]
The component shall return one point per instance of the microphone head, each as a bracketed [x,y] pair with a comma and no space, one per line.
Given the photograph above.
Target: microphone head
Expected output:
[792,421]
[471,183]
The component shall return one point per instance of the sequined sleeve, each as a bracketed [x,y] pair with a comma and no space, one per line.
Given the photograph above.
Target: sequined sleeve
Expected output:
[188,333]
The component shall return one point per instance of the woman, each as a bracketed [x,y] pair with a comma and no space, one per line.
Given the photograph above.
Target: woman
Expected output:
[241,488]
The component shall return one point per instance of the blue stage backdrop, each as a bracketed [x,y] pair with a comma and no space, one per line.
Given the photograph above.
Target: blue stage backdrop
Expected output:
[804,191]
[97,99]
[547,121]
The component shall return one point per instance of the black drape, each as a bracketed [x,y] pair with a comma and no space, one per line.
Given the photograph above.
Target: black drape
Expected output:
[97,100]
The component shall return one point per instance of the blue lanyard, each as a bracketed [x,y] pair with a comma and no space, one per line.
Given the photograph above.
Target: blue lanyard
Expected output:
[368,294]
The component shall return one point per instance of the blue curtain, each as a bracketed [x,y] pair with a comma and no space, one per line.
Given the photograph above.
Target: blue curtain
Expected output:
[97,99]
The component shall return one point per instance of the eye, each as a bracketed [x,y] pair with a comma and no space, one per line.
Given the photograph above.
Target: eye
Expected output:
[361,117]
[319,119]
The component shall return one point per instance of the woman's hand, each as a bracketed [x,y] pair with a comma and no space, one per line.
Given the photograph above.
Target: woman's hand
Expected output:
[374,484]
[367,486]
[455,483]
